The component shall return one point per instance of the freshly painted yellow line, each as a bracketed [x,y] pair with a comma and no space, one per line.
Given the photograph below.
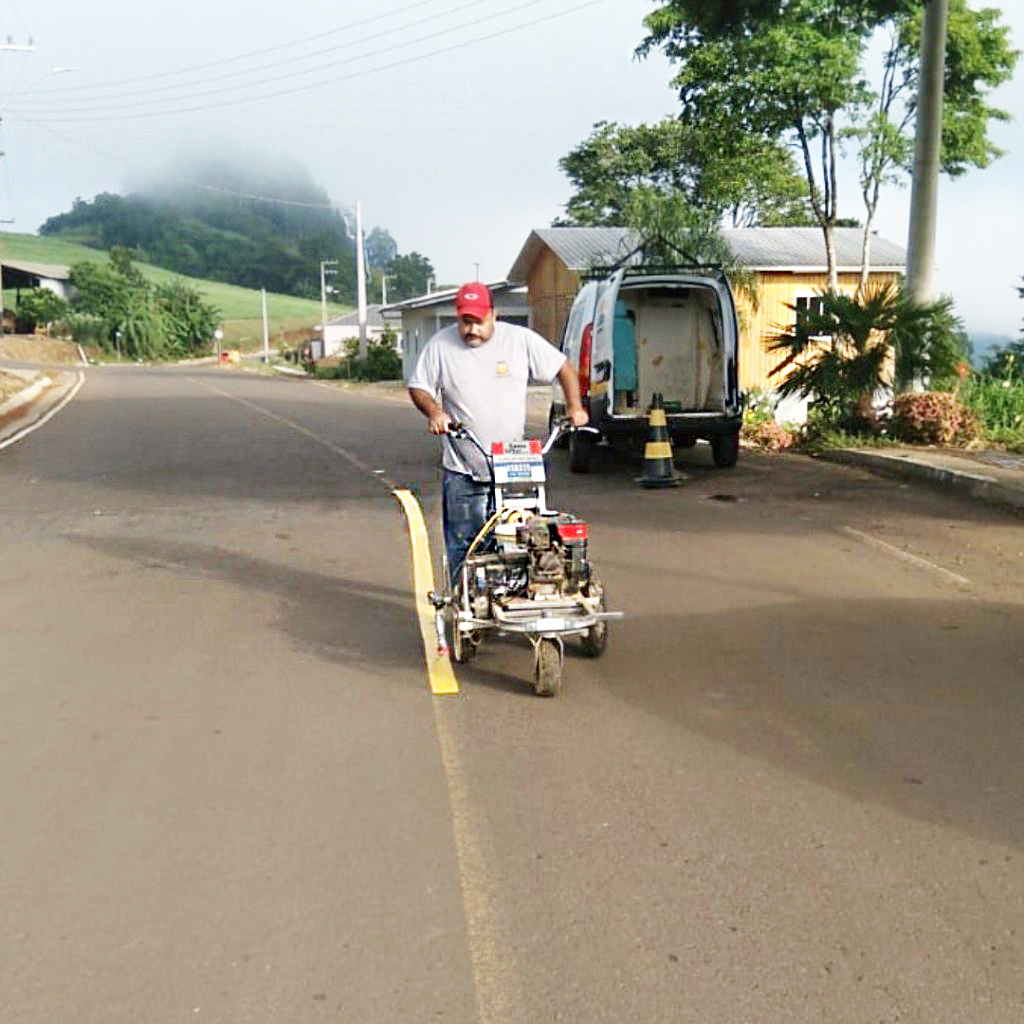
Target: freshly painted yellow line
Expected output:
[439,666]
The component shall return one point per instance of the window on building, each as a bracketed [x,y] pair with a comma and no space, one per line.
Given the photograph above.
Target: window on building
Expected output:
[809,304]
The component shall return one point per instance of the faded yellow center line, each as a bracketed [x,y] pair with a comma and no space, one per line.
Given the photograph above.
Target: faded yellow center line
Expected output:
[439,666]
[299,428]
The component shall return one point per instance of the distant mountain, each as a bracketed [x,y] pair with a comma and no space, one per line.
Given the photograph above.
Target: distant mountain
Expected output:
[258,226]
[984,345]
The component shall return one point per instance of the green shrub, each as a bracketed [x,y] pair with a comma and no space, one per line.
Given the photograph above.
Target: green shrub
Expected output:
[759,407]
[39,306]
[87,329]
[998,404]
[933,417]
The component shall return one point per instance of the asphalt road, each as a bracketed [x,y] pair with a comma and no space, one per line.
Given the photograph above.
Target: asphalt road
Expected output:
[790,791]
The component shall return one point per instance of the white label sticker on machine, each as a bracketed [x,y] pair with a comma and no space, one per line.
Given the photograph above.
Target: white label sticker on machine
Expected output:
[517,461]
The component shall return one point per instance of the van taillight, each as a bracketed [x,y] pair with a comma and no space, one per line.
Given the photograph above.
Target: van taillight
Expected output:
[585,345]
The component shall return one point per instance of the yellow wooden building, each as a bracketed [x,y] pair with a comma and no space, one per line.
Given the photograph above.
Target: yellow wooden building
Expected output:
[788,265]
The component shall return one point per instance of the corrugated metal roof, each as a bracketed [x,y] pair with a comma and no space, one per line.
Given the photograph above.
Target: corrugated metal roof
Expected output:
[791,248]
[448,295]
[374,317]
[782,248]
[54,271]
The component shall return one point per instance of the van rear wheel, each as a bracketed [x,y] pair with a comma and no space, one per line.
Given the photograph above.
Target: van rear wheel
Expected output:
[725,449]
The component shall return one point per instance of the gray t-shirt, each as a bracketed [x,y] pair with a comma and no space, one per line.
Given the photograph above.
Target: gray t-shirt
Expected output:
[484,387]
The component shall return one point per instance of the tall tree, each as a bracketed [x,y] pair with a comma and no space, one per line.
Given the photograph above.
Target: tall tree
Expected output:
[749,181]
[793,71]
[409,276]
[979,58]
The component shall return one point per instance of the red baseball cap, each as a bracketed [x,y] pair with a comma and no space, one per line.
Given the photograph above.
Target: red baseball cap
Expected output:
[474,299]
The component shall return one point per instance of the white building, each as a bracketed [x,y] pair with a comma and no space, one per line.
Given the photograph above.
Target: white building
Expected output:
[343,328]
[19,275]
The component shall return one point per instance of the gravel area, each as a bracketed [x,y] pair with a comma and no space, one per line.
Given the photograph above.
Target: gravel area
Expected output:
[35,348]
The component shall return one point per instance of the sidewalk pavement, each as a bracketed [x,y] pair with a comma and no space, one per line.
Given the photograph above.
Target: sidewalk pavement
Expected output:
[994,477]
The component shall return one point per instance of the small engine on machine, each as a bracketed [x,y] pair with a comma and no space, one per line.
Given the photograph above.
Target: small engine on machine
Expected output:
[535,557]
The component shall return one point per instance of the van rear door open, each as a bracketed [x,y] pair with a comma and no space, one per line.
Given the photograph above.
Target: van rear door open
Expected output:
[601,363]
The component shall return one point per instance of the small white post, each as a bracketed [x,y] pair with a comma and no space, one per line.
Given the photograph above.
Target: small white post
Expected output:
[266,329]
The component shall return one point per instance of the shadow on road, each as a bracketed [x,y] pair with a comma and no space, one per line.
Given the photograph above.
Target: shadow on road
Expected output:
[882,700]
[340,620]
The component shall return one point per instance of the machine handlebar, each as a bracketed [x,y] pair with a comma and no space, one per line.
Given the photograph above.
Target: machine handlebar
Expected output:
[559,428]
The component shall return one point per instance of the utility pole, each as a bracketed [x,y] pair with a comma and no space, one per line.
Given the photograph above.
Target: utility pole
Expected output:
[360,281]
[324,271]
[28,47]
[383,289]
[927,150]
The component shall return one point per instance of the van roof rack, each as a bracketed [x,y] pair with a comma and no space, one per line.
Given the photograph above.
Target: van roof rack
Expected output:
[654,269]
[634,267]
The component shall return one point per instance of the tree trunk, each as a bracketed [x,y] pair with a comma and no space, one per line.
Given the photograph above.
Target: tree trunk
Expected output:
[829,231]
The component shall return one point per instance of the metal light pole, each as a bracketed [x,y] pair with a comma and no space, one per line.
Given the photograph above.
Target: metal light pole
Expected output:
[927,150]
[324,264]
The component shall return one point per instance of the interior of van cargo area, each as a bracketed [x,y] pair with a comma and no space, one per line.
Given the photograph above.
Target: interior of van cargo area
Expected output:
[668,340]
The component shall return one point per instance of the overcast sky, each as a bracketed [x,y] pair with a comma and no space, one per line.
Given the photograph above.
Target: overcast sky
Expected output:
[445,117]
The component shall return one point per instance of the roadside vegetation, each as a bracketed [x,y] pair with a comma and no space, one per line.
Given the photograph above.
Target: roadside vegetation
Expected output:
[382,361]
[877,369]
[117,310]
[240,308]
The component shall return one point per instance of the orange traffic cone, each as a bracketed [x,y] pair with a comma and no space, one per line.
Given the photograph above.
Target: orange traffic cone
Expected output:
[658,469]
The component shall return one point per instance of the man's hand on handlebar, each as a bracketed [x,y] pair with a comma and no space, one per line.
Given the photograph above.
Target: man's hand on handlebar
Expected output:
[578,417]
[439,422]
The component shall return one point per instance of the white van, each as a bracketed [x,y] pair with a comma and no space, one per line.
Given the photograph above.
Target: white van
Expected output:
[638,333]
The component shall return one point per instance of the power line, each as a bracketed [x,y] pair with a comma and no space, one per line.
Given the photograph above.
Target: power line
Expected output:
[318,84]
[261,52]
[45,95]
[307,71]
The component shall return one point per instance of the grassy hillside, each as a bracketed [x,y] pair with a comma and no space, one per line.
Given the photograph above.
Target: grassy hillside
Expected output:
[240,307]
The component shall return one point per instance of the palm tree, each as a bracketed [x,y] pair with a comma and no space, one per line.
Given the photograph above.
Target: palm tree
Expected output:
[842,354]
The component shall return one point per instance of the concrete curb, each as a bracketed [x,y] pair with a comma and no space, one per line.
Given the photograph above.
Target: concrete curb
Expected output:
[980,486]
[26,395]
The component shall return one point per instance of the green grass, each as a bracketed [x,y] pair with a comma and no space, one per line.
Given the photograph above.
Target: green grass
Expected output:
[240,308]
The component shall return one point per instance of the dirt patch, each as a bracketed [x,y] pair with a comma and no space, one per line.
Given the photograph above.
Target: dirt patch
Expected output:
[10,385]
[36,348]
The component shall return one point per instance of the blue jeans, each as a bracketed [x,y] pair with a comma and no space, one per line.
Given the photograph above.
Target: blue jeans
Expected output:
[466,504]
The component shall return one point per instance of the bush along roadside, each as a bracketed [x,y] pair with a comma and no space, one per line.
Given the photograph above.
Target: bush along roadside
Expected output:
[760,427]
[116,310]
[382,362]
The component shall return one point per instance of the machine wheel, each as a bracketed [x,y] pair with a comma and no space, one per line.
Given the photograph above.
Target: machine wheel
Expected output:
[463,648]
[563,441]
[595,640]
[548,680]
[581,451]
[725,449]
